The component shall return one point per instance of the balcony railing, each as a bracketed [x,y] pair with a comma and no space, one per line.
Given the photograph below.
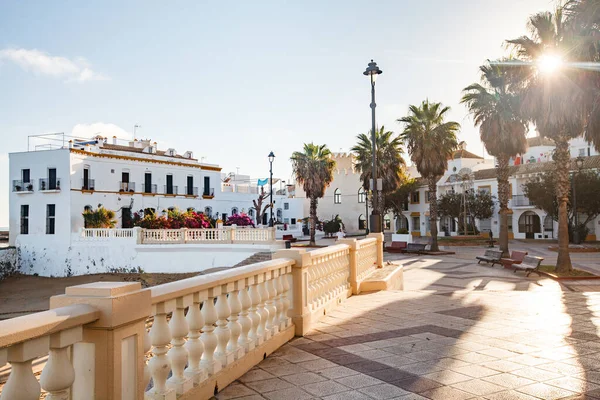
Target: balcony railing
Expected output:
[170,189]
[234,319]
[49,184]
[149,188]
[208,192]
[20,186]
[127,187]
[89,184]
[191,190]
[520,200]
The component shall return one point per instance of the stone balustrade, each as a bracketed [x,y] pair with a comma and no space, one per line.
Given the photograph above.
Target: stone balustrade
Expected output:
[206,331]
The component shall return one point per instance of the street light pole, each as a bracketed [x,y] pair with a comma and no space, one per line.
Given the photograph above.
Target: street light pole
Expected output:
[579,164]
[373,71]
[271,158]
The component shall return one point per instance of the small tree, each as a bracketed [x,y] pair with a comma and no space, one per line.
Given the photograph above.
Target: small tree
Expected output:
[480,205]
[99,218]
[333,226]
[258,204]
[587,187]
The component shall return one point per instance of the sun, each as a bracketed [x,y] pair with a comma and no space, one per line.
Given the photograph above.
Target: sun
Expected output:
[549,63]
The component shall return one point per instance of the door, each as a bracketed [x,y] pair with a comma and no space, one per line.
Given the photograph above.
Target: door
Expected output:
[206,186]
[86,177]
[148,183]
[169,184]
[126,217]
[125,181]
[26,176]
[51,178]
[190,186]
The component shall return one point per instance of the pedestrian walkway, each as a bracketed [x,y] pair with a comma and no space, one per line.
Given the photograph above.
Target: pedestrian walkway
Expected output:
[458,331]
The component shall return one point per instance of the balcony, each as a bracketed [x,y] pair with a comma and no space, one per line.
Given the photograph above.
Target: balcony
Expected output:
[520,200]
[191,190]
[22,187]
[49,185]
[149,189]
[127,187]
[88,184]
[208,193]
[170,190]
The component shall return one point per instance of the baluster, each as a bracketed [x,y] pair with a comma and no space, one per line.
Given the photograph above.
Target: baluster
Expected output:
[234,326]
[21,383]
[279,303]
[178,354]
[159,364]
[262,330]
[245,320]
[194,345]
[222,331]
[286,299]
[270,303]
[209,338]
[147,347]
[254,314]
[58,374]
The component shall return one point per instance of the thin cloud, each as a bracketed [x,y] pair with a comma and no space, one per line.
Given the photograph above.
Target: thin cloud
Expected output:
[42,63]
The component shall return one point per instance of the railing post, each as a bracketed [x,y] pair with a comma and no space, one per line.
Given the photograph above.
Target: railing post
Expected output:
[300,312]
[232,233]
[138,235]
[113,346]
[379,237]
[184,235]
[21,382]
[353,264]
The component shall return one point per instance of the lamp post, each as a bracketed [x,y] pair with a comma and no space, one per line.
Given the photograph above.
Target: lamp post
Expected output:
[579,164]
[271,158]
[373,71]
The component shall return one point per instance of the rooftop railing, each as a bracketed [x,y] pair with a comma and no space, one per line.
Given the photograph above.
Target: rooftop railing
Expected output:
[93,337]
[520,200]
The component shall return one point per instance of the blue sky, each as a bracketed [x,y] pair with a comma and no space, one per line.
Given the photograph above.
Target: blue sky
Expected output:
[233,80]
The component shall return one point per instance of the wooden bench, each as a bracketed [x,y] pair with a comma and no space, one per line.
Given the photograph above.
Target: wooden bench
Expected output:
[529,264]
[289,238]
[490,256]
[516,257]
[396,247]
[416,248]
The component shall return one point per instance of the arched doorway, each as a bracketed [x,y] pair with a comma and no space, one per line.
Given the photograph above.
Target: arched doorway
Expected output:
[362,222]
[529,223]
[401,223]
[548,226]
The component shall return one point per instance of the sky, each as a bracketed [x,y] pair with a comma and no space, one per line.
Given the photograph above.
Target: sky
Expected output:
[234,80]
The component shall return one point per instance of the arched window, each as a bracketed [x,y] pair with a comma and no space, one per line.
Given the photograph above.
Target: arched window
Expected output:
[234,211]
[251,212]
[337,196]
[279,214]
[387,223]
[208,211]
[362,196]
[362,222]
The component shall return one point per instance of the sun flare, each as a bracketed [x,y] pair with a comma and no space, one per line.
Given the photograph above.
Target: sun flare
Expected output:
[549,64]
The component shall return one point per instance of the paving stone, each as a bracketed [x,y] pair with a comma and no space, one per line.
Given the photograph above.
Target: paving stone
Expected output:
[367,366]
[317,365]
[510,395]
[304,378]
[235,390]
[255,375]
[336,372]
[478,387]
[383,391]
[288,394]
[536,374]
[268,385]
[417,384]
[326,388]
[390,374]
[447,393]
[283,370]
[544,391]
[509,381]
[358,381]
[502,365]
[573,384]
[475,371]
[447,377]
[351,395]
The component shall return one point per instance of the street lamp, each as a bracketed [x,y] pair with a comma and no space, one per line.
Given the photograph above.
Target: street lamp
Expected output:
[271,158]
[373,71]
[579,164]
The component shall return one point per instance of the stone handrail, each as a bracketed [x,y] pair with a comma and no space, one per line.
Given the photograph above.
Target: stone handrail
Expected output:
[54,333]
[234,319]
[96,234]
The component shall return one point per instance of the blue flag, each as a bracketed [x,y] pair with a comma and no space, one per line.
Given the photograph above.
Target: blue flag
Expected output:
[262,182]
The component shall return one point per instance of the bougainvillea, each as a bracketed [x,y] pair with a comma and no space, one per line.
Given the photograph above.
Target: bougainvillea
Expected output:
[175,219]
[240,220]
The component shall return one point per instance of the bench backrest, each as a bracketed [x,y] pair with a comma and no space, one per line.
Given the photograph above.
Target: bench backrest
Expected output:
[415,246]
[531,260]
[493,254]
[399,245]
[286,237]
[518,255]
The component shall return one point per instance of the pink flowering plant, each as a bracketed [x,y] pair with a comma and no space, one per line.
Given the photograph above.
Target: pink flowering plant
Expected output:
[240,220]
[174,219]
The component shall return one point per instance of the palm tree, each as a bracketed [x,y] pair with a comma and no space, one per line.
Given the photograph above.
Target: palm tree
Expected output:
[497,112]
[313,168]
[390,164]
[557,101]
[430,142]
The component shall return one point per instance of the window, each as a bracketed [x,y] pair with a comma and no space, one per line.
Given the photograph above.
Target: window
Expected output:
[24,219]
[25,175]
[224,217]
[190,186]
[427,224]
[169,186]
[582,152]
[510,193]
[251,212]
[51,178]
[416,224]
[362,222]
[86,178]
[337,196]
[427,196]
[415,198]
[293,221]
[148,182]
[206,190]
[234,211]
[286,206]
[50,219]
[362,196]
[279,214]
[208,211]
[387,223]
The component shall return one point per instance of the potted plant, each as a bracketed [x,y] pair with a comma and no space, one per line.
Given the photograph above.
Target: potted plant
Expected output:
[30,187]
[18,188]
[43,185]
[130,190]
[57,185]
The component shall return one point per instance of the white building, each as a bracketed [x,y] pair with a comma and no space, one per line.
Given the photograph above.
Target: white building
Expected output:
[345,195]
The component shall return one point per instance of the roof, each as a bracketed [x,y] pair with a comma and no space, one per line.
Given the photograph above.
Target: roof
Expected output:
[539,141]
[118,147]
[463,153]
[592,162]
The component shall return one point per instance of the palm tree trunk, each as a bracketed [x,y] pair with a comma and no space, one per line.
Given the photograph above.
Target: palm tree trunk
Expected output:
[503,195]
[313,219]
[563,161]
[433,213]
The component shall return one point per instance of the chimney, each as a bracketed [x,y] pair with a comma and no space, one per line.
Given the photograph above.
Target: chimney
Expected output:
[114,140]
[70,144]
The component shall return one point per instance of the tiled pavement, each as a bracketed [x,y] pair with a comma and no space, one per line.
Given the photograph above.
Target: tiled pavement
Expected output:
[457,331]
